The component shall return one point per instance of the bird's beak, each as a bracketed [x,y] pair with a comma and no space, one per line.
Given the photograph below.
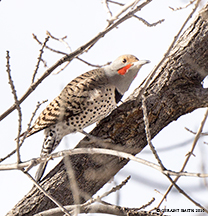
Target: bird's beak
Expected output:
[140,63]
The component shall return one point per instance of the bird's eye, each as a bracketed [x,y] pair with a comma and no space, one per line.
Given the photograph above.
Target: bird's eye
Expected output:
[124,60]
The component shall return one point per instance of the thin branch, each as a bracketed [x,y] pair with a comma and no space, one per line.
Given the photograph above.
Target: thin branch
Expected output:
[25,133]
[148,135]
[67,46]
[73,185]
[189,130]
[90,206]
[139,91]
[53,50]
[180,8]
[92,65]
[116,188]
[186,195]
[60,40]
[36,161]
[39,59]
[114,2]
[63,53]
[149,24]
[99,198]
[100,208]
[31,119]
[187,159]
[105,2]
[139,18]
[148,204]
[123,9]
[63,209]
[17,105]
[65,153]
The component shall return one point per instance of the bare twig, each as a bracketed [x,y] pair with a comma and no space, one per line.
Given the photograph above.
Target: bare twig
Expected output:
[62,40]
[148,135]
[47,194]
[187,159]
[79,151]
[67,46]
[202,134]
[123,9]
[148,204]
[149,24]
[63,53]
[73,185]
[25,134]
[100,208]
[17,105]
[114,2]
[180,8]
[186,195]
[53,50]
[139,91]
[31,119]
[36,161]
[90,206]
[116,188]
[105,2]
[141,19]
[93,65]
[39,59]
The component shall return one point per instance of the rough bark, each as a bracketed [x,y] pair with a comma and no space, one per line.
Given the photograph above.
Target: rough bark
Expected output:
[175,91]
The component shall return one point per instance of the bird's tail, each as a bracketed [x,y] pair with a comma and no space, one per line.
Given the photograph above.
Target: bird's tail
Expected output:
[50,143]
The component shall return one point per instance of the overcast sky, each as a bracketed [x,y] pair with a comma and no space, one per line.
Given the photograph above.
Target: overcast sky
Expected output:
[80,21]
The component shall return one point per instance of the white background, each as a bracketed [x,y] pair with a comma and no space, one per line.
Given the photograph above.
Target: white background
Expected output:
[80,21]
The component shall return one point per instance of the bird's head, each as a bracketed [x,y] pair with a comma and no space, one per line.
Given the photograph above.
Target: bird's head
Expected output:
[123,70]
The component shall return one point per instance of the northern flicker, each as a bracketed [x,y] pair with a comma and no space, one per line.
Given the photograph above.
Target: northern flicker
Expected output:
[84,101]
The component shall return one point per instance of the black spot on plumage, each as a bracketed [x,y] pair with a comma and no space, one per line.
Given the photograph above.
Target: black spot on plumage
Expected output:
[75,80]
[93,80]
[52,114]
[81,77]
[48,108]
[118,96]
[57,102]
[77,87]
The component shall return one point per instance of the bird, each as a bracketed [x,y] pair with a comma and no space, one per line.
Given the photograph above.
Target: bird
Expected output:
[85,100]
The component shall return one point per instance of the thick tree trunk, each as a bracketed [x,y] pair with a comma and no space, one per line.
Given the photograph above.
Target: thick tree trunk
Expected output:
[176,90]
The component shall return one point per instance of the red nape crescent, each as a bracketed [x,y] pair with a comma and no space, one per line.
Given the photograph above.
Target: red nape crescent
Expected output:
[123,70]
